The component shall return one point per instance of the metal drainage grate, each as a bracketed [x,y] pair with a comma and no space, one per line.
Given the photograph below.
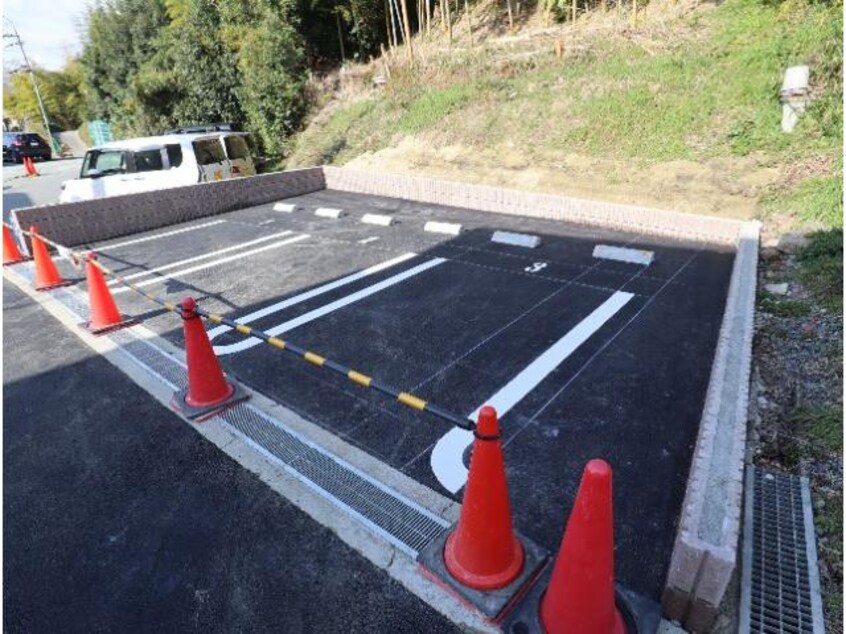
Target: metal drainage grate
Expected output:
[397,519]
[780,591]
[389,514]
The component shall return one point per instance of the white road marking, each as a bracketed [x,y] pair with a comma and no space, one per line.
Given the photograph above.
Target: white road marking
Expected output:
[442,227]
[205,256]
[623,254]
[159,235]
[368,240]
[208,265]
[383,220]
[329,212]
[537,266]
[320,290]
[516,239]
[333,306]
[447,456]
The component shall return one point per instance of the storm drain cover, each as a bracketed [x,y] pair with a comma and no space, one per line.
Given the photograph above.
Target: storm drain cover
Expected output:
[780,591]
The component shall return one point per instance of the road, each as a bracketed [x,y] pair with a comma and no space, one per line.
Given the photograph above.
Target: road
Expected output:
[121,518]
[22,191]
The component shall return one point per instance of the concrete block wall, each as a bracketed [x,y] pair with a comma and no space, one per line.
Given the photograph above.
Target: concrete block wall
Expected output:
[643,220]
[85,222]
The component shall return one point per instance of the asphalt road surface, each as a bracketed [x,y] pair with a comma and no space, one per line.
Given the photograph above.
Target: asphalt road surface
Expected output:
[583,357]
[118,517]
[20,190]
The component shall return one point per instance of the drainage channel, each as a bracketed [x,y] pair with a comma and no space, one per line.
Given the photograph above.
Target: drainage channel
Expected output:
[780,588]
[387,513]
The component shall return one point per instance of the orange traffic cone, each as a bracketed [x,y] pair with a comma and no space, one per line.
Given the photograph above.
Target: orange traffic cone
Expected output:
[11,252]
[104,315]
[47,276]
[483,552]
[580,595]
[208,391]
[29,166]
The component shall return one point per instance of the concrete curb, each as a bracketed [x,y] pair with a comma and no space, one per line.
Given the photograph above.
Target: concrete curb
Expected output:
[705,553]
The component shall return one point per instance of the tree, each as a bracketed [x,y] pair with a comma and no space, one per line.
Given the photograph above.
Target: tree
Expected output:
[121,36]
[273,75]
[61,92]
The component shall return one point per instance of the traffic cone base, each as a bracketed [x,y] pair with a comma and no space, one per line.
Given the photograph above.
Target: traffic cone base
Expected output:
[499,579]
[634,614]
[208,390]
[50,287]
[102,330]
[493,605]
[11,253]
[199,413]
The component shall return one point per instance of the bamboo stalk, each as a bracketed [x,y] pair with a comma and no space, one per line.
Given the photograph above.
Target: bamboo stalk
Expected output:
[340,36]
[404,5]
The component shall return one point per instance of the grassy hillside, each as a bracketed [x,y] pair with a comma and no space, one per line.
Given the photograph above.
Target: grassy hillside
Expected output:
[698,87]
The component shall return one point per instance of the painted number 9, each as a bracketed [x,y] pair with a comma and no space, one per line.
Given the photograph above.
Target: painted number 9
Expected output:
[534,268]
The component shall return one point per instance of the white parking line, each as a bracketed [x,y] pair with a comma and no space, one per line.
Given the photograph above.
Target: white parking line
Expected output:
[205,256]
[328,308]
[160,235]
[320,290]
[208,265]
[447,456]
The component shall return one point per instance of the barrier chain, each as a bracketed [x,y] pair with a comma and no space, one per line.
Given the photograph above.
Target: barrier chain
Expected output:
[406,398]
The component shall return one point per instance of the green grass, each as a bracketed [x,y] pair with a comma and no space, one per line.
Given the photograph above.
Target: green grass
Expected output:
[779,307]
[434,106]
[712,93]
[816,435]
[821,426]
[821,268]
[814,201]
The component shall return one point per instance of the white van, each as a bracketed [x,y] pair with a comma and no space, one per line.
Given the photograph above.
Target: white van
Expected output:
[172,160]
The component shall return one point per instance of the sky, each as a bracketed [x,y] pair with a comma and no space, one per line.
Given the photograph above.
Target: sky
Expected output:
[49,29]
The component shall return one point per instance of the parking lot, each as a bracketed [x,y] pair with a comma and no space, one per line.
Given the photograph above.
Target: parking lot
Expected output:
[582,356]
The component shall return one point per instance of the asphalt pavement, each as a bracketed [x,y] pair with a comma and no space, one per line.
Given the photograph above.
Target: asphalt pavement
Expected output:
[120,518]
[19,190]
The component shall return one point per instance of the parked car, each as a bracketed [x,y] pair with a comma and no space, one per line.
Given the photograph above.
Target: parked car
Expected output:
[171,160]
[17,145]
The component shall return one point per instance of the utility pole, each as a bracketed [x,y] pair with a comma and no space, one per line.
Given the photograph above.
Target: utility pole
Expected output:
[17,42]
